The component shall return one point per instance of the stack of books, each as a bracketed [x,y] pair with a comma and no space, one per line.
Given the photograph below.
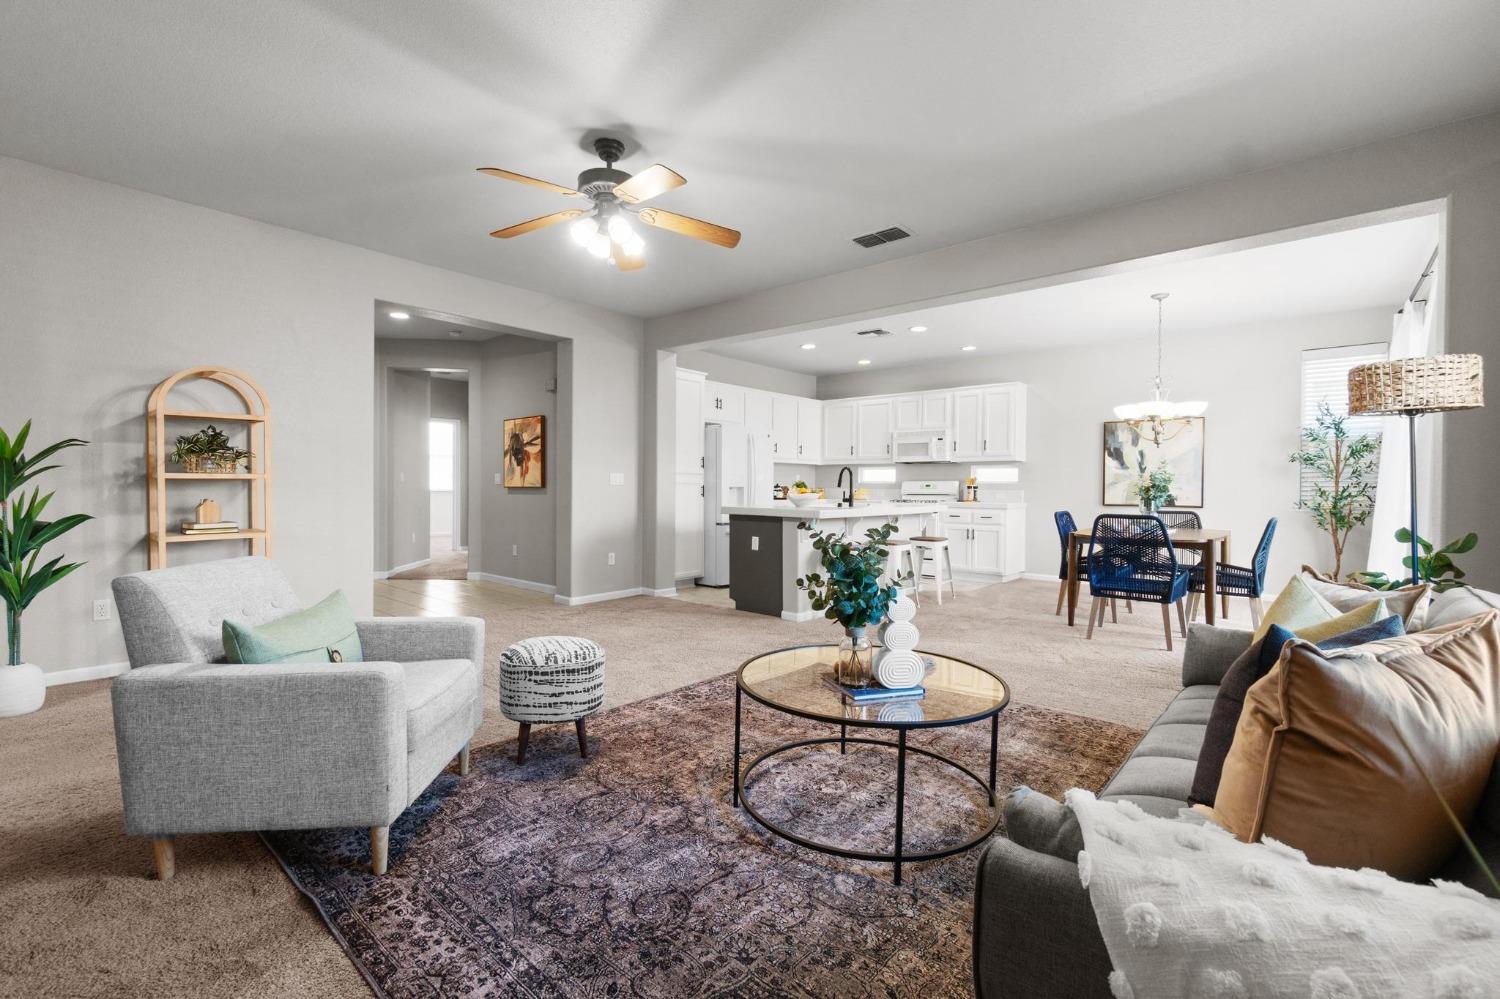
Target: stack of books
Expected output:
[215,527]
[867,695]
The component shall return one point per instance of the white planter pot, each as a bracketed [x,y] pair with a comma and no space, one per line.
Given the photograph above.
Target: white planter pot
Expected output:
[22,689]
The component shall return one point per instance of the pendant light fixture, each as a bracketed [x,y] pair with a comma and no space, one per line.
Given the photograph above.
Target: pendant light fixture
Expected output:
[1159,418]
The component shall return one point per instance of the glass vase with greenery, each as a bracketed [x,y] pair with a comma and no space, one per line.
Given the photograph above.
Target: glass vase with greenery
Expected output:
[1343,467]
[849,591]
[23,532]
[1153,490]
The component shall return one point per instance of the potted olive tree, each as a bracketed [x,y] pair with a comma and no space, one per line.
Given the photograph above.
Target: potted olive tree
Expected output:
[23,534]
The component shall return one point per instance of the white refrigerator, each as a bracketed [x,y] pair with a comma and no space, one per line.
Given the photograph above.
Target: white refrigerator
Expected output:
[737,471]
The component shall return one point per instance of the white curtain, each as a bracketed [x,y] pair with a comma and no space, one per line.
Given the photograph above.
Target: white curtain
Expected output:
[1411,331]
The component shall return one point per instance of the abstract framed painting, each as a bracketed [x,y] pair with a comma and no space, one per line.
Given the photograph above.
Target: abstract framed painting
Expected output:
[525,453]
[1128,454]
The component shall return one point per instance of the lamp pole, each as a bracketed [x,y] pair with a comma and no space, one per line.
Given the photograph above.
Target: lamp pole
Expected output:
[1416,570]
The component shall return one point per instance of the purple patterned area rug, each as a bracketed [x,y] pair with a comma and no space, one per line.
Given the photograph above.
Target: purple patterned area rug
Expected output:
[631,873]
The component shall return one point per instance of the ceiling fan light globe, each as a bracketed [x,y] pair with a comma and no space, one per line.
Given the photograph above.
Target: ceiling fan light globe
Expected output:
[582,231]
[599,248]
[634,246]
[619,230]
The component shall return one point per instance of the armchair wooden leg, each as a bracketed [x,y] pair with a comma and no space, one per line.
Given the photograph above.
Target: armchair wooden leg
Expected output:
[1062,594]
[1166,621]
[521,742]
[380,848]
[1255,612]
[463,761]
[166,861]
[1093,616]
[583,738]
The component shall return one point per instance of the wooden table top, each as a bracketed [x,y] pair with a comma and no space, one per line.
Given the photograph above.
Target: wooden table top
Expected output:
[1179,535]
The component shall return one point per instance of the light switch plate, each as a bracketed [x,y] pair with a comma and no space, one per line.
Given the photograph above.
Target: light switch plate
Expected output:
[617,478]
[755,542]
[499,478]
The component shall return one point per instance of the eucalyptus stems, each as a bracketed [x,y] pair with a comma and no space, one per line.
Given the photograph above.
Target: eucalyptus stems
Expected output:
[851,593]
[23,532]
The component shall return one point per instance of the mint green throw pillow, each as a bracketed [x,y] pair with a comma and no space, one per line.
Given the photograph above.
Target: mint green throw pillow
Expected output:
[324,632]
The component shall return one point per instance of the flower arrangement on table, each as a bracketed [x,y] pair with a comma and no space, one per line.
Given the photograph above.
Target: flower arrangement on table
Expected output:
[849,591]
[1154,489]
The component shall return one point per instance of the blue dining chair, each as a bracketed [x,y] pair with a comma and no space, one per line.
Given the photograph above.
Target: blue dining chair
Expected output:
[1066,525]
[1238,580]
[1131,557]
[1183,518]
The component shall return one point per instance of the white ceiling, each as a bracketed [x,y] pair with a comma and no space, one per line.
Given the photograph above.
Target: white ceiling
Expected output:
[802,124]
[1372,267]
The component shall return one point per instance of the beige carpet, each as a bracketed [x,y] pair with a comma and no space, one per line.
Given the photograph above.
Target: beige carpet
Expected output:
[83,918]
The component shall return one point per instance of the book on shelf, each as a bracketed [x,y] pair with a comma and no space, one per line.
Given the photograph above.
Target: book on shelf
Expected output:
[865,695]
[194,525]
[210,530]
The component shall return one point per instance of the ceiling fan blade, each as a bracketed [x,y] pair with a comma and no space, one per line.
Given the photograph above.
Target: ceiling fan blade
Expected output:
[624,262]
[521,228]
[655,179]
[546,185]
[685,226]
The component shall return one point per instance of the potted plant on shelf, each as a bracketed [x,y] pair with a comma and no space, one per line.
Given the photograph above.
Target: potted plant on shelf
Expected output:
[851,593]
[209,451]
[23,533]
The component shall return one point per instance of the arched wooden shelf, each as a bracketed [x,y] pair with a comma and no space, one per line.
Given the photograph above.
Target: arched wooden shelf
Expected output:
[257,418]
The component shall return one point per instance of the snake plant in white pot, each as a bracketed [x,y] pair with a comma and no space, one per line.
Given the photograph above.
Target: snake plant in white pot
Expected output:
[23,534]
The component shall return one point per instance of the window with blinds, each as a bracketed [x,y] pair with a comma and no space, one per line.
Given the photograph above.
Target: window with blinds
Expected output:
[1325,379]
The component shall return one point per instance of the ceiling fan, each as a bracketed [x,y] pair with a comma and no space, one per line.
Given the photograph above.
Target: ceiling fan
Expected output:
[604,229]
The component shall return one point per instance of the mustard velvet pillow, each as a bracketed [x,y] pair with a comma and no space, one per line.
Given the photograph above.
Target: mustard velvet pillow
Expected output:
[1296,608]
[1317,763]
[1409,602]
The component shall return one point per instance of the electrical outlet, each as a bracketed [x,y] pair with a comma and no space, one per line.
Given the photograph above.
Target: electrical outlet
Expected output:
[515,549]
[611,558]
[617,478]
[755,542]
[499,478]
[413,537]
[102,610]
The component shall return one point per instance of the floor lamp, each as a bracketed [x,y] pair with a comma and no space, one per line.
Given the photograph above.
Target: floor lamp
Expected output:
[1410,387]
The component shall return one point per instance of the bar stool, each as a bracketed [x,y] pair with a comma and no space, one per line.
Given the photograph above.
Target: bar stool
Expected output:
[901,562]
[936,548]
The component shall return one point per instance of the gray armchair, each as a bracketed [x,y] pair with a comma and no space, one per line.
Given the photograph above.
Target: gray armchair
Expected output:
[205,746]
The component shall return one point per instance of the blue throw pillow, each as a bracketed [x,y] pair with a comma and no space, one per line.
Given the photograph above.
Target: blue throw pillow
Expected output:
[1254,663]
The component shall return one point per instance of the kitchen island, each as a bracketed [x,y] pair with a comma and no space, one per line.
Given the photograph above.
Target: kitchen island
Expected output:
[767,552]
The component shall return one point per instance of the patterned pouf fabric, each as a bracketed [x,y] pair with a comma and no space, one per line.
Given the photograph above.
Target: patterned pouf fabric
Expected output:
[554,678]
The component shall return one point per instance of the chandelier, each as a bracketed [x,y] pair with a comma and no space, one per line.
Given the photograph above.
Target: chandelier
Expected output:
[1159,418]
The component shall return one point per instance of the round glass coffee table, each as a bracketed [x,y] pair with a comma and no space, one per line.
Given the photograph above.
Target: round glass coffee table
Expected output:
[792,681]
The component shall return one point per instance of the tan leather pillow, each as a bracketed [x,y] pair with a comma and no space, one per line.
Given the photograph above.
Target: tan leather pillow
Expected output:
[1316,764]
[1408,601]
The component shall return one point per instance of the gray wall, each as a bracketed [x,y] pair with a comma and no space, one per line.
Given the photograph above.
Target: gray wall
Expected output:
[108,290]
[408,403]
[523,521]
[1249,375]
[1457,164]
[734,371]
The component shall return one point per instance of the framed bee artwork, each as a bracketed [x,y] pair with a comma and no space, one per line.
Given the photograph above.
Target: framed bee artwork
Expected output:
[525,453]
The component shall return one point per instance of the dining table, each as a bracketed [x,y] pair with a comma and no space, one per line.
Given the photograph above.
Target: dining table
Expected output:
[1211,544]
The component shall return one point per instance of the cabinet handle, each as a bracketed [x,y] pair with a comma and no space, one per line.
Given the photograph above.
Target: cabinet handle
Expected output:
[700,491]
[986,445]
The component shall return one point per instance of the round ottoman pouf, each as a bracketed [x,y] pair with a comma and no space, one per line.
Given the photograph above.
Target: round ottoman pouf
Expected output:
[551,679]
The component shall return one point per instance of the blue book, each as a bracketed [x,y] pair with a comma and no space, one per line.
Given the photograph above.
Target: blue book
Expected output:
[866,695]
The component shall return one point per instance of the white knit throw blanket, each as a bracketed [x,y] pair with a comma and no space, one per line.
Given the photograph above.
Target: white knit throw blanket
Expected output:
[1188,911]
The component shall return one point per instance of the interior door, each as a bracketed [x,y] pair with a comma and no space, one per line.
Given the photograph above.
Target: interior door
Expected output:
[838,432]
[873,430]
[968,424]
[784,428]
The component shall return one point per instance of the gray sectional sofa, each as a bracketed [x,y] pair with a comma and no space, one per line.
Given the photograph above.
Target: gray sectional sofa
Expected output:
[1034,931]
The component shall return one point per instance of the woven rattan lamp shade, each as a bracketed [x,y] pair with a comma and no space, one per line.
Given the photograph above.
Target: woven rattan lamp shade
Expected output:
[1418,385]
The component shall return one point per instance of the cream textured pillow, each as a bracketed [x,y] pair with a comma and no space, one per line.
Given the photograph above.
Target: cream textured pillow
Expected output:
[1296,608]
[1316,762]
[1410,602]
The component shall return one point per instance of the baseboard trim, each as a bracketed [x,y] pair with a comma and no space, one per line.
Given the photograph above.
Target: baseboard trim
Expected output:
[797,617]
[1041,577]
[408,567]
[599,598]
[520,584]
[670,591]
[83,673]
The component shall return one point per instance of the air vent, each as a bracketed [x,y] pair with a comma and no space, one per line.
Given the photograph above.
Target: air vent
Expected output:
[872,239]
[873,333]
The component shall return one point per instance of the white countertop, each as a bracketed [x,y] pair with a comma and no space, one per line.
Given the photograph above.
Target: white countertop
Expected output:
[789,512]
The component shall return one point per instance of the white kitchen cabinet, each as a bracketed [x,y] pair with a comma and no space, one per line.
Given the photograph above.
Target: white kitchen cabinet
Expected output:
[872,429]
[723,403]
[987,549]
[838,432]
[987,541]
[784,428]
[1004,437]
[809,431]
[689,422]
[907,410]
[688,560]
[758,413]
[922,411]
[968,424]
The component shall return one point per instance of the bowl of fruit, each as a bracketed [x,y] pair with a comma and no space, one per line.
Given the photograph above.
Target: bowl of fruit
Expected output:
[802,494]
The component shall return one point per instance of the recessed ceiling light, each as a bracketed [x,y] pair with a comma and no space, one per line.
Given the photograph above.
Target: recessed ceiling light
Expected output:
[863,361]
[969,347]
[454,333]
[399,315]
[809,346]
[917,329]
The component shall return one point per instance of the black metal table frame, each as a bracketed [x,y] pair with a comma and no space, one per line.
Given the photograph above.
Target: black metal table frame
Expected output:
[897,857]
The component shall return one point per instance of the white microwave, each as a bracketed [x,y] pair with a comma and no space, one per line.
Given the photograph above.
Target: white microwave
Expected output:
[921,446]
